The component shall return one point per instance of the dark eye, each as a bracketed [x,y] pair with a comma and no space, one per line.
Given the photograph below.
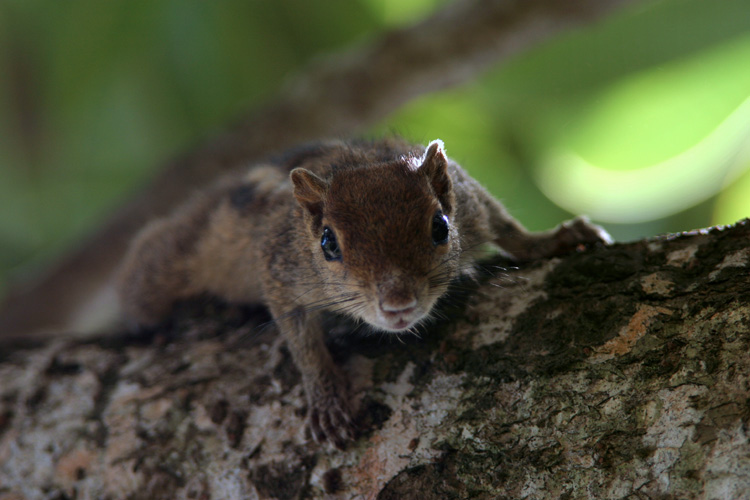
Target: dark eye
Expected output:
[329,244]
[439,228]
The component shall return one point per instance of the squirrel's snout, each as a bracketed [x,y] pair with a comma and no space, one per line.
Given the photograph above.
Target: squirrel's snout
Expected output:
[398,312]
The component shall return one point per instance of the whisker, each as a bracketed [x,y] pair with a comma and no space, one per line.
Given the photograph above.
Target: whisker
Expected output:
[413,330]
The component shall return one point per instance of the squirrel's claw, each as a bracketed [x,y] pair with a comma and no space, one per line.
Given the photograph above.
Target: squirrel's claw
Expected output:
[331,421]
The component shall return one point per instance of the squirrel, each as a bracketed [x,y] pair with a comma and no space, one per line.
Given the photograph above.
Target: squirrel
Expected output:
[374,230]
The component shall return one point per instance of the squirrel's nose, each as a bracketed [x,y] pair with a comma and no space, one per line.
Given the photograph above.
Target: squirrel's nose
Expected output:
[398,307]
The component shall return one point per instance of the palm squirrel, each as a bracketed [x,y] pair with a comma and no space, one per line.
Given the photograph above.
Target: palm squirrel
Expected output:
[372,230]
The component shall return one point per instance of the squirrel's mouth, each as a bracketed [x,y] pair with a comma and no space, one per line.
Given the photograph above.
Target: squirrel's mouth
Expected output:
[402,324]
[397,326]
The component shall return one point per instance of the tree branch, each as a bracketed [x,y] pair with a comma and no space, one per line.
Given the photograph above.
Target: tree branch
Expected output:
[616,372]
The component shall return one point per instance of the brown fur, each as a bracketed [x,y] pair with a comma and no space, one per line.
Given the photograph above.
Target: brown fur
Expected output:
[257,238]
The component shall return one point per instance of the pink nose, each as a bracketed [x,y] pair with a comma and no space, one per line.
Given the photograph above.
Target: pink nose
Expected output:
[398,307]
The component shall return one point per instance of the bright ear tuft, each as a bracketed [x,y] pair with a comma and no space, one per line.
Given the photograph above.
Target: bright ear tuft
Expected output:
[435,150]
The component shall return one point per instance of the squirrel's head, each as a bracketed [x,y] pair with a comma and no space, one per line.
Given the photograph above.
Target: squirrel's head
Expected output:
[383,236]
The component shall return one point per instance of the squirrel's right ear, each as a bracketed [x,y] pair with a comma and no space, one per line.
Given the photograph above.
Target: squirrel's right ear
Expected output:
[309,189]
[435,167]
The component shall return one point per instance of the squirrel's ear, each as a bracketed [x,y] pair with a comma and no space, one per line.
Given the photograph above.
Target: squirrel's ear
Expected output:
[435,167]
[309,189]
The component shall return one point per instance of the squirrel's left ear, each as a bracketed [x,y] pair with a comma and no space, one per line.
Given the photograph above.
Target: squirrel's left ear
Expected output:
[435,167]
[310,190]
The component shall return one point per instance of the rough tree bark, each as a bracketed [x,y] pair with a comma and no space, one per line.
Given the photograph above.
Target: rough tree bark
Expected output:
[340,95]
[618,372]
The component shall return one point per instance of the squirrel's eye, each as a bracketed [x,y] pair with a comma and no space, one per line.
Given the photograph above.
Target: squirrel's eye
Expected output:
[330,246]
[439,228]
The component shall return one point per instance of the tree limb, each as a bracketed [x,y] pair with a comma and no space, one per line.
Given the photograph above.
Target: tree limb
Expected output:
[616,372]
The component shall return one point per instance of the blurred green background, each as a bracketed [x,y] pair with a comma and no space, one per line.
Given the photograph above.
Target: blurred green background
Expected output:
[641,121]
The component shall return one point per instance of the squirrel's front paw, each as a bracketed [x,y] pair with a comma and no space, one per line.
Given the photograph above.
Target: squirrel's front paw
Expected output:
[331,417]
[579,231]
